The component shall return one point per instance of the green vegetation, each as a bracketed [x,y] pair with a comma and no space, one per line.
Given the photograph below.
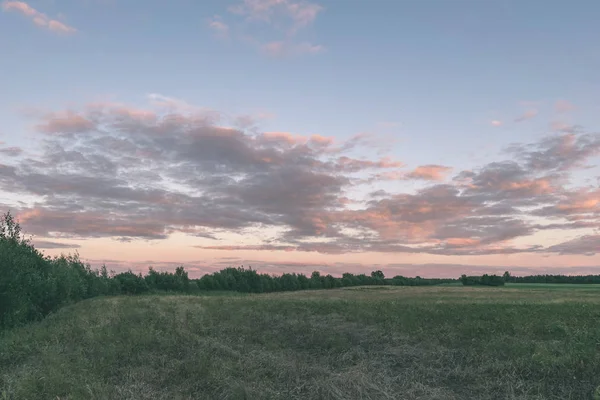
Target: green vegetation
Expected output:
[380,343]
[485,280]
[554,279]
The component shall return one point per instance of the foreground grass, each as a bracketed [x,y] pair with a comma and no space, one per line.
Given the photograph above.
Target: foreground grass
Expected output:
[359,343]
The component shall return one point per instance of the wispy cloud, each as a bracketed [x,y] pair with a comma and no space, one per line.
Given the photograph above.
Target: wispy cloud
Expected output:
[563,106]
[38,18]
[430,172]
[285,49]
[529,114]
[271,11]
[220,28]
[42,244]
[496,122]
[283,20]
[11,151]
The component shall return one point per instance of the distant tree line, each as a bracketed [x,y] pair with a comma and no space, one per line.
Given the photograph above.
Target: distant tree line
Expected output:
[578,279]
[484,280]
[250,281]
[495,280]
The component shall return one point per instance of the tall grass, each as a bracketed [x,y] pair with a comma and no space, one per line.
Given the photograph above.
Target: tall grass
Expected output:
[419,343]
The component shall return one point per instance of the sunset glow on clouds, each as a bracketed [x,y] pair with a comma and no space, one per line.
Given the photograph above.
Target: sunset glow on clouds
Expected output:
[208,176]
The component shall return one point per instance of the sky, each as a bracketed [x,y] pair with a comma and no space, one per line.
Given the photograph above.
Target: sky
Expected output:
[429,138]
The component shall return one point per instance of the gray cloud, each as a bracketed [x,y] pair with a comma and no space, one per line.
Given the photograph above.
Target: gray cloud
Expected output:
[588,245]
[11,151]
[114,171]
[41,244]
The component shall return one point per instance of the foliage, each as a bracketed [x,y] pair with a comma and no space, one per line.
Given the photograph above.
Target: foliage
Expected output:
[573,279]
[32,285]
[484,280]
[250,281]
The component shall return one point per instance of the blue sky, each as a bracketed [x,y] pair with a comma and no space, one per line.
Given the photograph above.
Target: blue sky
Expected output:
[442,81]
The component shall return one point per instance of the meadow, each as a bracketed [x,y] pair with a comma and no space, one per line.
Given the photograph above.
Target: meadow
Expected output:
[377,342]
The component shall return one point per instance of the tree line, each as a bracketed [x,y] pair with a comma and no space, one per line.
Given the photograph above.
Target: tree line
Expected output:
[574,279]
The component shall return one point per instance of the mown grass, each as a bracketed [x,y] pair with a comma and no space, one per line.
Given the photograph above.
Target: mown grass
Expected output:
[355,343]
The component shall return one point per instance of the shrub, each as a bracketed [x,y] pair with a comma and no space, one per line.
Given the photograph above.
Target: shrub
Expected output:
[33,285]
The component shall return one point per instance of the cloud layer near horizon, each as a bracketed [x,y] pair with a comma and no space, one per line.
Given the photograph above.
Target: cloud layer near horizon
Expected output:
[112,170]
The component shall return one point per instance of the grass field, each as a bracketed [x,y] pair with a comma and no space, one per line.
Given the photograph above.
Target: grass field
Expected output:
[355,343]
[591,286]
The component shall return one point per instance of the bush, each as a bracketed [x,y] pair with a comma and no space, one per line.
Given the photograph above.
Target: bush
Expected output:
[130,283]
[33,285]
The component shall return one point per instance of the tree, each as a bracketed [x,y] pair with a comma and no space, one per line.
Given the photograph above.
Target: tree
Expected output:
[377,275]
[10,229]
[506,276]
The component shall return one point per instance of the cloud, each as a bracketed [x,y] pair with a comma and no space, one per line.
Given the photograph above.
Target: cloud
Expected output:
[64,123]
[300,13]
[129,173]
[38,18]
[588,245]
[563,106]
[559,152]
[429,172]
[282,20]
[220,28]
[559,126]
[496,123]
[526,115]
[11,151]
[41,244]
[286,49]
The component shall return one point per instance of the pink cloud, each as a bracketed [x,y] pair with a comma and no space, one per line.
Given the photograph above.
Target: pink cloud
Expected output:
[527,115]
[301,13]
[290,139]
[286,49]
[535,186]
[38,18]
[65,122]
[284,18]
[217,25]
[462,242]
[351,164]
[563,106]
[283,137]
[321,140]
[496,123]
[559,126]
[429,172]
